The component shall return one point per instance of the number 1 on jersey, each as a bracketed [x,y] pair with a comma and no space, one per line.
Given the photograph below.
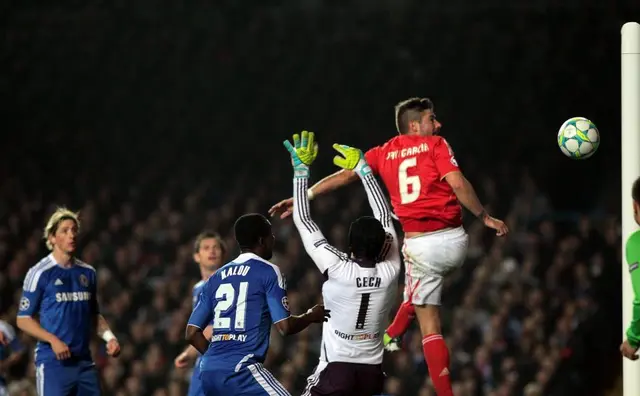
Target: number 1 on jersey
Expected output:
[405,181]
[362,312]
[226,294]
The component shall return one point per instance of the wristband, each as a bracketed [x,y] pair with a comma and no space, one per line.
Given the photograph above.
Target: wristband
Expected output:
[310,194]
[108,336]
[482,215]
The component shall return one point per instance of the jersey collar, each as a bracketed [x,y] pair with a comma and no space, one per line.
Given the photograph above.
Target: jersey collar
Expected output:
[244,257]
[52,258]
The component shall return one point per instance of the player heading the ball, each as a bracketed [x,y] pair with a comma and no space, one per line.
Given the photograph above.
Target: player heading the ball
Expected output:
[426,187]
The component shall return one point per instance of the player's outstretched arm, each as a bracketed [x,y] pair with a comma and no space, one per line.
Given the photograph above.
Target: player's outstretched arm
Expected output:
[275,288]
[328,184]
[199,320]
[296,323]
[303,153]
[353,159]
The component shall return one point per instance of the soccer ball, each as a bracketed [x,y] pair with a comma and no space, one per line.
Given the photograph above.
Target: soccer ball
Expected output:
[578,138]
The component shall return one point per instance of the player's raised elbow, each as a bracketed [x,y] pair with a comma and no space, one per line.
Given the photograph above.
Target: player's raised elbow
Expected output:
[190,333]
[456,180]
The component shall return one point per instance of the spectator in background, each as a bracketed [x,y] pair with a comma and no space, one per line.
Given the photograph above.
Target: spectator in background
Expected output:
[529,313]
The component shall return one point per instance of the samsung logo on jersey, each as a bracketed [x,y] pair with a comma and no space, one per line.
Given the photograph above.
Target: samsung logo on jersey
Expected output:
[73,296]
[240,270]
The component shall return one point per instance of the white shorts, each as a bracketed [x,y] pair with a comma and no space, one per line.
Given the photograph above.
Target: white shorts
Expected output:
[428,258]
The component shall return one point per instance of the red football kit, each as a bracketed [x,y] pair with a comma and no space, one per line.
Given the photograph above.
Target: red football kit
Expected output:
[413,169]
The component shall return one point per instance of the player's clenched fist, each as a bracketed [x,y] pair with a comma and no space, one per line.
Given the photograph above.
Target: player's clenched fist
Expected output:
[113,348]
[60,349]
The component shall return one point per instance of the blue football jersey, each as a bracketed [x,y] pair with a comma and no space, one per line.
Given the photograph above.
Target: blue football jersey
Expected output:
[65,301]
[13,344]
[243,298]
[197,288]
[195,385]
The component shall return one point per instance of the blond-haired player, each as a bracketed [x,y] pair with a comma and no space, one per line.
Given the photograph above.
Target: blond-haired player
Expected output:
[61,290]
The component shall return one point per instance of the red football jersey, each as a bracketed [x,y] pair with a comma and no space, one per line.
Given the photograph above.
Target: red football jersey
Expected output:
[413,169]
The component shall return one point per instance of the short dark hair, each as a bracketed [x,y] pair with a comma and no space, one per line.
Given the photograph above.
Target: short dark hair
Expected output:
[207,234]
[250,228]
[366,238]
[635,190]
[410,110]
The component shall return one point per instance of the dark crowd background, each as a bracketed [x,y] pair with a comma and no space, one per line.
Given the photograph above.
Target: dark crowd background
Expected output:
[159,119]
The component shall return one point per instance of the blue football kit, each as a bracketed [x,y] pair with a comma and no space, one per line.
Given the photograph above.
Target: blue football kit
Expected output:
[243,298]
[65,302]
[195,386]
[13,346]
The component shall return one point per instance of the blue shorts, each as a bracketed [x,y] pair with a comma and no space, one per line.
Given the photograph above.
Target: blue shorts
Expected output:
[67,379]
[252,380]
[195,386]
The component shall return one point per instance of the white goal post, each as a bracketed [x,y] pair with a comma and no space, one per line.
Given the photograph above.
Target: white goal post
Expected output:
[630,117]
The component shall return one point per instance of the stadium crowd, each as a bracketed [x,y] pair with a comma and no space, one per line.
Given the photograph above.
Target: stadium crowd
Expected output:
[510,312]
[527,315]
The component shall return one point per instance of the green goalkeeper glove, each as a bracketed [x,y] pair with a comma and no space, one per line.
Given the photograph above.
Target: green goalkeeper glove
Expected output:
[303,153]
[351,159]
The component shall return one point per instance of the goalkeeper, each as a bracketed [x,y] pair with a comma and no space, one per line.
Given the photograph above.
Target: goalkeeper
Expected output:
[629,347]
[360,283]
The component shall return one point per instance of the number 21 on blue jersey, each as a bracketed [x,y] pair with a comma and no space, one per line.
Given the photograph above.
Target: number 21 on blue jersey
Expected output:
[230,298]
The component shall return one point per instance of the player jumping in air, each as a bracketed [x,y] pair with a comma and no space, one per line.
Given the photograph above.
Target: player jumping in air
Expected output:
[209,253]
[360,286]
[426,188]
[11,351]
[244,298]
[629,347]
[62,291]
